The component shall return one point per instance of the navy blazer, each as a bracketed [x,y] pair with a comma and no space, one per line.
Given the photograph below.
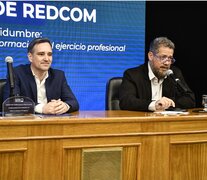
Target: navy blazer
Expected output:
[56,86]
[136,93]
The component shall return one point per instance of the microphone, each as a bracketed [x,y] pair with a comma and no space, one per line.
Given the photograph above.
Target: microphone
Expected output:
[176,80]
[9,61]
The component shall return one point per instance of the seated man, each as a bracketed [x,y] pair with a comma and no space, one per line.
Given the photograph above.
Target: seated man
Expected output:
[46,86]
[149,87]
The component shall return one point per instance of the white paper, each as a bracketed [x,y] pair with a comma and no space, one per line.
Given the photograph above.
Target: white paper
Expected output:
[171,112]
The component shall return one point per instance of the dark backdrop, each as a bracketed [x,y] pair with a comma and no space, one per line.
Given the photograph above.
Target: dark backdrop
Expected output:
[186,25]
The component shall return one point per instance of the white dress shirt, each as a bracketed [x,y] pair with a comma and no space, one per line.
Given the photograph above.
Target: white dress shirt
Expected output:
[41,93]
[156,85]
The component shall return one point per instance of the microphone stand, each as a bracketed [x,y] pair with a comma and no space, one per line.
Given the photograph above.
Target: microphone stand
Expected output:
[12,92]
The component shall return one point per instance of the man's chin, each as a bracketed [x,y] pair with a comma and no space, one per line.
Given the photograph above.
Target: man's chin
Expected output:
[161,75]
[45,68]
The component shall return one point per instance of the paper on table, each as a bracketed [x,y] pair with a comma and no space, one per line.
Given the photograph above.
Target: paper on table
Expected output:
[171,112]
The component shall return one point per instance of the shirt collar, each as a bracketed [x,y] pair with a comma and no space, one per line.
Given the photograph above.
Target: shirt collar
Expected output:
[46,74]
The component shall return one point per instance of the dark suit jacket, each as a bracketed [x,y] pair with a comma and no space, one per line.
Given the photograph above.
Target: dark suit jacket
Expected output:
[56,86]
[136,94]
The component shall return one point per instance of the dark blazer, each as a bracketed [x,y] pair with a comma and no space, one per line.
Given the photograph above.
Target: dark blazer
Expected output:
[136,94]
[56,86]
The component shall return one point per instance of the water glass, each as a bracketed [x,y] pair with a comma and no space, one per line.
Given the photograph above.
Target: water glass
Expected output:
[204,102]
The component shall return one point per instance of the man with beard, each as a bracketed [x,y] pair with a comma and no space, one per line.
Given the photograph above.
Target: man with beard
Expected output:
[149,88]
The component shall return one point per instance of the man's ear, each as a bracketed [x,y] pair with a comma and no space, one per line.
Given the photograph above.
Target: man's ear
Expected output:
[29,55]
[150,56]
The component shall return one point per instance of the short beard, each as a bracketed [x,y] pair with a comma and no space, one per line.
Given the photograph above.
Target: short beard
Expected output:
[158,74]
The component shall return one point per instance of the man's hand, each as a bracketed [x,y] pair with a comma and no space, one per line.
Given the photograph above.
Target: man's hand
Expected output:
[164,103]
[55,107]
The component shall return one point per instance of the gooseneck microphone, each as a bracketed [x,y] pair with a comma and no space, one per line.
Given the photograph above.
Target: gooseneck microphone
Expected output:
[9,61]
[176,80]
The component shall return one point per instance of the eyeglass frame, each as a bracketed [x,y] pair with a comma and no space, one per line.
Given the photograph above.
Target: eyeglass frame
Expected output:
[165,58]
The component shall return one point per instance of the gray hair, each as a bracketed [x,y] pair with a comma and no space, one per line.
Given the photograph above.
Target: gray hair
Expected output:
[161,42]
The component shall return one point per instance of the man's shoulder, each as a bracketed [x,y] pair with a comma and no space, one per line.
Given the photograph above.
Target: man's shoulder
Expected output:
[22,67]
[175,69]
[56,72]
[136,69]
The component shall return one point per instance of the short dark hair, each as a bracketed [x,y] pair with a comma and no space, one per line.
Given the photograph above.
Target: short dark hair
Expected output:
[161,42]
[37,41]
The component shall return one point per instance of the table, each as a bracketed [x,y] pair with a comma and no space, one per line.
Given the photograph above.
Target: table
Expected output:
[104,145]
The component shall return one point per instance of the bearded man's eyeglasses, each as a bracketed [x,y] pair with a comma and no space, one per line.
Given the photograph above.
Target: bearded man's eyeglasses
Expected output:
[165,58]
